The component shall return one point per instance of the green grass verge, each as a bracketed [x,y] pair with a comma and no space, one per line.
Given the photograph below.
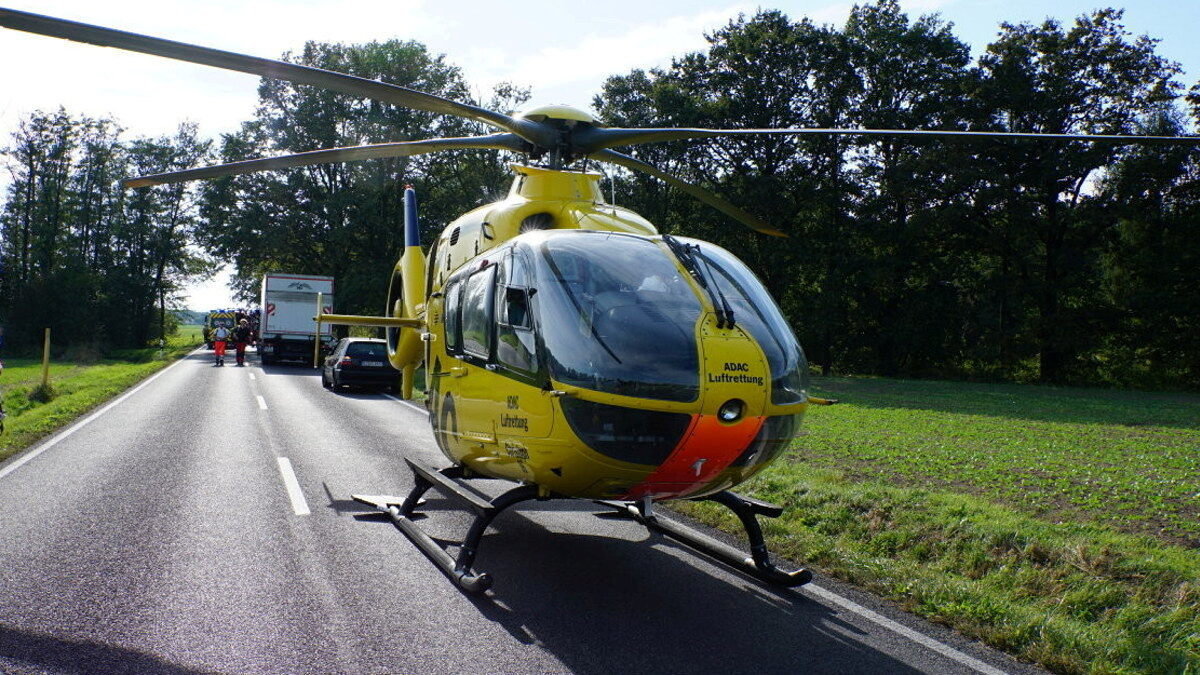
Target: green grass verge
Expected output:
[1056,524]
[1128,459]
[76,388]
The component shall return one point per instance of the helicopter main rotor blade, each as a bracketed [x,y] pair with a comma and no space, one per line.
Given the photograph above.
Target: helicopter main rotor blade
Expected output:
[706,196]
[281,70]
[591,139]
[347,154]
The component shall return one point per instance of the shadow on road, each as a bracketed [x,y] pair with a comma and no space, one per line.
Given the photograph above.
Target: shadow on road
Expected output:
[306,370]
[65,655]
[286,368]
[360,393]
[603,604]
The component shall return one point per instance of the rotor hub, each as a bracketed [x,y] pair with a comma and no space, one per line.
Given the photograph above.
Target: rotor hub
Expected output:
[560,122]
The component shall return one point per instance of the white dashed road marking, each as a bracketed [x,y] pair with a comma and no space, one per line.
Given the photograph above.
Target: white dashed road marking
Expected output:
[299,505]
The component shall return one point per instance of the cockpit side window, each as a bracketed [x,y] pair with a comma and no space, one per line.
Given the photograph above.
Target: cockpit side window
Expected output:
[477,317]
[516,346]
[453,317]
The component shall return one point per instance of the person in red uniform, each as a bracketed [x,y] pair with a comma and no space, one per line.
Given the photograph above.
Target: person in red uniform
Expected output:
[241,337]
[220,335]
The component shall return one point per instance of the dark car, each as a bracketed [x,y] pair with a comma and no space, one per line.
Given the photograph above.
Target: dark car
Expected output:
[360,362]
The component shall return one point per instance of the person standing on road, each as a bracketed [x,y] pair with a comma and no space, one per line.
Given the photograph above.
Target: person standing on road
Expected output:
[220,335]
[241,337]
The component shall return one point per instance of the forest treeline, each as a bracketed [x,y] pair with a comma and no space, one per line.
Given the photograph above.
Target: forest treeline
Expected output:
[95,263]
[1055,261]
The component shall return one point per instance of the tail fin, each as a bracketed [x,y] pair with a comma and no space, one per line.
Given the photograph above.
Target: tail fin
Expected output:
[406,296]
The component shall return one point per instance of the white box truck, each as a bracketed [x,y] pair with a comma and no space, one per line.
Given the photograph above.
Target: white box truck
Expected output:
[289,303]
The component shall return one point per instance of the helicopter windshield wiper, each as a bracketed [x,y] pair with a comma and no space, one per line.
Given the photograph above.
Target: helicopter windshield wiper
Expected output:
[720,294]
[686,253]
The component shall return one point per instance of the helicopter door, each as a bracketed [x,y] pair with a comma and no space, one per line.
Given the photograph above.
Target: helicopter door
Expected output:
[461,401]
[443,411]
[474,388]
[527,412]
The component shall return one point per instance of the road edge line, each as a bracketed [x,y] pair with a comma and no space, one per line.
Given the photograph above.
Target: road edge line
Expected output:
[913,634]
[21,459]
[410,404]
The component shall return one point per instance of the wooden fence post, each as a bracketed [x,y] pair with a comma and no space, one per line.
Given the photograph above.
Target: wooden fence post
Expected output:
[46,361]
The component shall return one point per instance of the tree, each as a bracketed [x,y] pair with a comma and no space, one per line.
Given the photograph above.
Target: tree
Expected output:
[81,255]
[159,226]
[912,75]
[1090,79]
[345,219]
[765,71]
[1149,205]
[851,206]
[36,224]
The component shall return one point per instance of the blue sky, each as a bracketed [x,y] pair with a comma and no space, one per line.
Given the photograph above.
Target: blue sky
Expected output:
[563,50]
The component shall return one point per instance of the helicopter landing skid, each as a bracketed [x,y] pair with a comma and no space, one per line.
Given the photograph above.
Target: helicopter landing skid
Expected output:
[451,482]
[448,482]
[758,565]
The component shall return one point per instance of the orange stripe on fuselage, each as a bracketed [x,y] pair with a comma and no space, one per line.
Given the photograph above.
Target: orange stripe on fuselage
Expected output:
[707,447]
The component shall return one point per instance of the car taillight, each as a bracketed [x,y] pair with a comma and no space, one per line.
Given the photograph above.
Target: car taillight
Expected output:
[346,361]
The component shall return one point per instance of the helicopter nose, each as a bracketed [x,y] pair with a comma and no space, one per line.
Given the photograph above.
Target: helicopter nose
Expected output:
[707,447]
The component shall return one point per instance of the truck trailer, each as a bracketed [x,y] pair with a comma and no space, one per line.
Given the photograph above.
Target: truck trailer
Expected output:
[286,326]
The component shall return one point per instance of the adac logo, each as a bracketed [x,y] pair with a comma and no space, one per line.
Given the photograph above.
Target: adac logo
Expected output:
[300,286]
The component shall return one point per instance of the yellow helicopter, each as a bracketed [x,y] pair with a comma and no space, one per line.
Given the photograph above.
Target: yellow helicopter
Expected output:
[568,346]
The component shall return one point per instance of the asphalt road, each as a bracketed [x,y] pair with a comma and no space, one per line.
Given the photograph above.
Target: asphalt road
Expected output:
[160,537]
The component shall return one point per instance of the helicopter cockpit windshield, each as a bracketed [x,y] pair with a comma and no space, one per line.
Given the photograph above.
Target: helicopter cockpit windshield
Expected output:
[601,305]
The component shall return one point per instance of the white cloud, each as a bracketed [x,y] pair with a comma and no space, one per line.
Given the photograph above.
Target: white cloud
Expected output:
[151,95]
[589,60]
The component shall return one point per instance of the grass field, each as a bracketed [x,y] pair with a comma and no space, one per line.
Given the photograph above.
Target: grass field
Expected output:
[77,387]
[1127,459]
[1058,524]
